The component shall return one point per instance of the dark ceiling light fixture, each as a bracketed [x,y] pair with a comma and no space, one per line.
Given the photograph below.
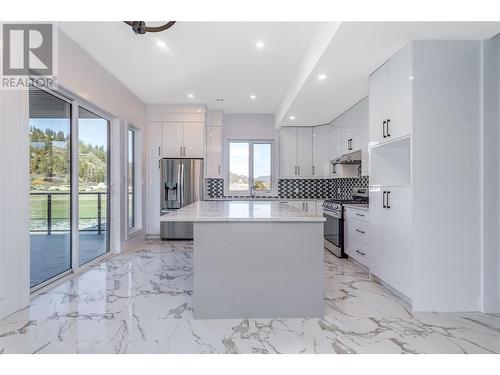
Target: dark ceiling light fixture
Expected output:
[140,27]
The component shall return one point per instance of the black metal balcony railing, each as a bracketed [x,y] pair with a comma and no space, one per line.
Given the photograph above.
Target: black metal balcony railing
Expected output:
[100,217]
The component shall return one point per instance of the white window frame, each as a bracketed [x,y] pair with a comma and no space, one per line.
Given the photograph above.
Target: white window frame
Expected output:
[251,176]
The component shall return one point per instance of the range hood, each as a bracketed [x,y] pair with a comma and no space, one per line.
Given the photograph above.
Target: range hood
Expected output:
[352,158]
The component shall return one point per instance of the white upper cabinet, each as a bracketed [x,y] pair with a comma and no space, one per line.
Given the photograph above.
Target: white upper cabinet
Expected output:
[214,151]
[288,152]
[154,139]
[172,139]
[390,99]
[304,152]
[322,151]
[176,139]
[193,139]
[296,152]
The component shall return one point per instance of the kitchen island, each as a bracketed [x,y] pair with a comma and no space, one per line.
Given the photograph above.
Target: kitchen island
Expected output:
[255,259]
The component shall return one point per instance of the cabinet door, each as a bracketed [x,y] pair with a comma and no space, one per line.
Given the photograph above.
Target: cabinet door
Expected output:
[396,233]
[399,91]
[378,110]
[347,119]
[362,137]
[193,140]
[288,152]
[214,151]
[321,151]
[172,139]
[377,256]
[304,152]
[154,196]
[154,139]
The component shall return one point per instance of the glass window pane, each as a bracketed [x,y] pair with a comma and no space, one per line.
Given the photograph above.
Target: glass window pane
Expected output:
[93,194]
[262,166]
[50,186]
[131,178]
[238,166]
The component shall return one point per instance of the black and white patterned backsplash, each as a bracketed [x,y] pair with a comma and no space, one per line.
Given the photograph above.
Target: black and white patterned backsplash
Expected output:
[340,188]
[214,188]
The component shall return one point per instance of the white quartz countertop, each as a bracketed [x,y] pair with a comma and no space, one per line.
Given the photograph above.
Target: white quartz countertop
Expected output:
[246,211]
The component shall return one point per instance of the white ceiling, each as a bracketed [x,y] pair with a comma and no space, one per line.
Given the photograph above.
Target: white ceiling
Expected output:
[356,50]
[220,60]
[209,59]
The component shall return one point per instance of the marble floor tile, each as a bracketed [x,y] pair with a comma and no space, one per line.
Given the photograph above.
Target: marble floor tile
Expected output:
[141,302]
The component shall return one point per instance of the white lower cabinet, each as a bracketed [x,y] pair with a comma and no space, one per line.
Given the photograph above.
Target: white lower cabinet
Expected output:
[154,196]
[356,234]
[390,236]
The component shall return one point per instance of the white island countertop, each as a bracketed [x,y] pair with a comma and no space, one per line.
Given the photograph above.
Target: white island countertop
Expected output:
[240,211]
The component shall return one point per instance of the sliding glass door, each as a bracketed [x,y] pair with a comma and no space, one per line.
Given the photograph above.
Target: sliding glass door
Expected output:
[69,222]
[50,186]
[93,186]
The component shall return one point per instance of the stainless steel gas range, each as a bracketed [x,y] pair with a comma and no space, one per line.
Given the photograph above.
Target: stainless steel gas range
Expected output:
[333,211]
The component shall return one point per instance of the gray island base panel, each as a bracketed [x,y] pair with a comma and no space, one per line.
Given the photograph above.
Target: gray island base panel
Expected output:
[258,270]
[255,267]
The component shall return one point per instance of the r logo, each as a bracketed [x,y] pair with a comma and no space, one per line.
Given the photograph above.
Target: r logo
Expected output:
[27,49]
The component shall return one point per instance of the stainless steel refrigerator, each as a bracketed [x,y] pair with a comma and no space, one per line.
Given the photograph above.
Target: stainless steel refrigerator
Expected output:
[181,185]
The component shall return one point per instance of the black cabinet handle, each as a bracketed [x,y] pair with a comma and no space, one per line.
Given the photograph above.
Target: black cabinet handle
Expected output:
[388,206]
[383,200]
[383,128]
[387,132]
[360,215]
[360,231]
[360,252]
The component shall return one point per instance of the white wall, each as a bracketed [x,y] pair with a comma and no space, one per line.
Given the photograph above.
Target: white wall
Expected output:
[79,76]
[491,175]
[14,202]
[84,77]
[251,126]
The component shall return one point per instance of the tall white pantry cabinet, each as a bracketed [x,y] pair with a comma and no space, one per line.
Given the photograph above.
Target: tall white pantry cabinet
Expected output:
[424,129]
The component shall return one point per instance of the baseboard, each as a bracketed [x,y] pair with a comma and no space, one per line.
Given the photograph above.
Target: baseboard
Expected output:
[491,306]
[133,242]
[393,290]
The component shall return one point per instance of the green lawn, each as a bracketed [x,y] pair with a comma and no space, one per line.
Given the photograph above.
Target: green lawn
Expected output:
[60,206]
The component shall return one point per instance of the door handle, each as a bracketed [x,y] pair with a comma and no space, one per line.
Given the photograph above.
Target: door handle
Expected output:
[184,150]
[387,199]
[383,128]
[383,200]
[360,252]
[180,151]
[219,169]
[298,169]
[387,132]
[313,170]
[159,150]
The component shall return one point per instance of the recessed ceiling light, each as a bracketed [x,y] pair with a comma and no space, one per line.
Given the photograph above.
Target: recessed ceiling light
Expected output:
[321,77]
[259,44]
[292,118]
[252,96]
[190,96]
[161,44]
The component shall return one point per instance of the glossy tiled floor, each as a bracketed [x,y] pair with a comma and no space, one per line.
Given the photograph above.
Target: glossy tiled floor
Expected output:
[140,302]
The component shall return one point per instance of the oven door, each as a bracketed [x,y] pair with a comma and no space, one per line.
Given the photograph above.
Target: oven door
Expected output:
[334,232]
